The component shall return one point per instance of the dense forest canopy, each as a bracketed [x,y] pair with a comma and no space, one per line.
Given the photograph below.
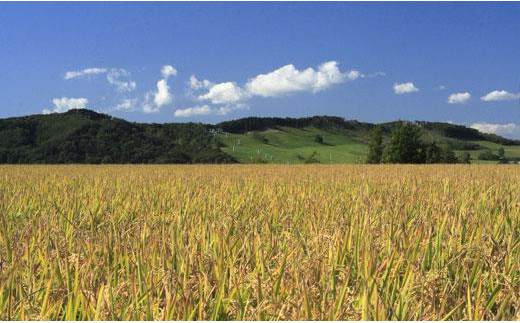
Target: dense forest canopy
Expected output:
[84,136]
[262,123]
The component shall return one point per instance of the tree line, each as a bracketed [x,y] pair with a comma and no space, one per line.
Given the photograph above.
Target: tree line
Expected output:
[261,123]
[406,146]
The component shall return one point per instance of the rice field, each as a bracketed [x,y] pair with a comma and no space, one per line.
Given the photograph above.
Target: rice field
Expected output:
[264,242]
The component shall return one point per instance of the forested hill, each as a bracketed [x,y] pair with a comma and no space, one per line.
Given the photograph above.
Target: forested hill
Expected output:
[84,136]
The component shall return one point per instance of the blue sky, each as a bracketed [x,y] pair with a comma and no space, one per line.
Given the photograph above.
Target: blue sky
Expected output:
[208,62]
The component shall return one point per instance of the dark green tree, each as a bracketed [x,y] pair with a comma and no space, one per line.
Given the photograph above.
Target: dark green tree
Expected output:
[405,145]
[439,155]
[466,158]
[502,156]
[487,155]
[433,154]
[375,146]
[318,138]
[449,157]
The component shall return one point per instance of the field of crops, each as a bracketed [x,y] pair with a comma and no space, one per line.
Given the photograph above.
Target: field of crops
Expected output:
[260,242]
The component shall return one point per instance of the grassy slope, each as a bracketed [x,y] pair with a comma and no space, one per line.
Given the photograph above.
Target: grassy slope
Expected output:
[511,151]
[291,145]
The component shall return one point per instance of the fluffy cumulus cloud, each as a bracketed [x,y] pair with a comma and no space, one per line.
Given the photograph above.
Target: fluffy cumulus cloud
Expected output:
[224,93]
[500,96]
[283,81]
[510,130]
[155,100]
[122,81]
[288,79]
[163,95]
[65,104]
[402,88]
[222,98]
[85,72]
[459,98]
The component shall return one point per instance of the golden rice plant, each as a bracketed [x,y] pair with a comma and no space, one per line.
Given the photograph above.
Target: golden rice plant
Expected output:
[260,242]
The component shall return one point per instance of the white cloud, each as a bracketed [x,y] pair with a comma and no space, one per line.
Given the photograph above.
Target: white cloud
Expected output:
[229,95]
[376,74]
[440,87]
[126,105]
[282,81]
[204,110]
[353,75]
[120,78]
[500,96]
[167,71]
[224,93]
[288,79]
[162,96]
[459,98]
[84,72]
[402,88]
[200,110]
[222,111]
[510,130]
[195,84]
[65,104]
[148,104]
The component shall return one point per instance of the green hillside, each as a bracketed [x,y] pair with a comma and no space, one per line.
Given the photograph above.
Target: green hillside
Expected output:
[295,146]
[342,144]
[512,151]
